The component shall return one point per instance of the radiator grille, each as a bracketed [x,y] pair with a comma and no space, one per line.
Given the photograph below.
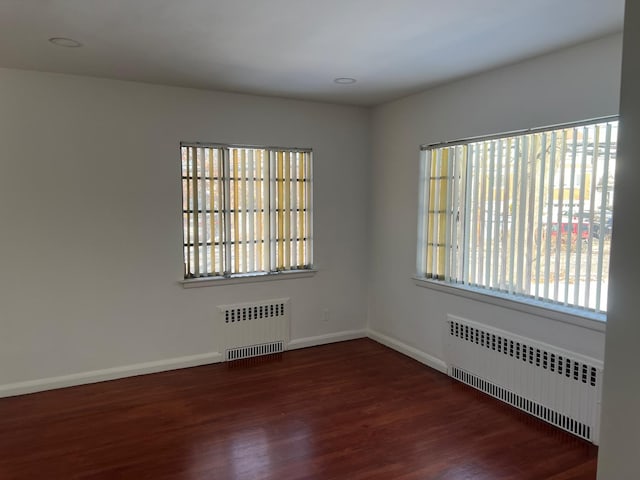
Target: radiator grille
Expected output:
[253,312]
[254,351]
[555,385]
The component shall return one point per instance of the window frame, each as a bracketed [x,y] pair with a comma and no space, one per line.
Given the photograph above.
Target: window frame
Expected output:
[521,302]
[226,211]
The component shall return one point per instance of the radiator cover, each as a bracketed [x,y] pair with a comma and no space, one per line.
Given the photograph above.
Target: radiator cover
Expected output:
[555,385]
[251,329]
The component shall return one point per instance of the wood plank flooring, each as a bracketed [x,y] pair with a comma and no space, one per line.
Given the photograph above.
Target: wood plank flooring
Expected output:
[351,410]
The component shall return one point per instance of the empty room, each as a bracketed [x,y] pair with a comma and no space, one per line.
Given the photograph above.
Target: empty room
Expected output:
[295,239]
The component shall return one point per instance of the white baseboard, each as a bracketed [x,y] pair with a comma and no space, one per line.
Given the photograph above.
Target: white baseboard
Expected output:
[32,386]
[327,338]
[408,350]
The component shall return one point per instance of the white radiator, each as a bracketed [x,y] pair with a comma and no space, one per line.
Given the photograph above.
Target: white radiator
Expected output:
[555,385]
[252,329]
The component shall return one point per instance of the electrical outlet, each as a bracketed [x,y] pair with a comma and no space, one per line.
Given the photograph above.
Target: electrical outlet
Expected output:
[325,314]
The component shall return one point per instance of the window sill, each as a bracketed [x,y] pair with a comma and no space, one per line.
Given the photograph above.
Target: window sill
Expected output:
[247,278]
[588,320]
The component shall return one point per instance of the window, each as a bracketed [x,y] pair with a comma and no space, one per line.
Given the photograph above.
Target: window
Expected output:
[246,210]
[525,214]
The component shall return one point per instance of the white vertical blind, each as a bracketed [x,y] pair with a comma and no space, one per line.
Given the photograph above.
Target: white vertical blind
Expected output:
[437,212]
[602,225]
[241,238]
[245,210]
[293,196]
[286,211]
[473,214]
[273,234]
[525,214]
[307,209]
[423,206]
[196,212]
[542,182]
[251,212]
[226,211]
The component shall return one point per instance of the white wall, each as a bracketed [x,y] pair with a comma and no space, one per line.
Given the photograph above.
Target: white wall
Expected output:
[90,236]
[618,455]
[90,239]
[573,84]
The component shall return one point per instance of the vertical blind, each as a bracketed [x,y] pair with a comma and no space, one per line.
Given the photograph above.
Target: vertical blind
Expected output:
[245,210]
[527,214]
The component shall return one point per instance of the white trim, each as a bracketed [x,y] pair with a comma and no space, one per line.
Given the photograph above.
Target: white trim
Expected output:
[82,378]
[590,321]
[249,278]
[409,351]
[327,338]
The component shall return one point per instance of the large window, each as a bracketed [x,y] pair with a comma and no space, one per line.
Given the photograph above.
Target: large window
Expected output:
[525,214]
[246,210]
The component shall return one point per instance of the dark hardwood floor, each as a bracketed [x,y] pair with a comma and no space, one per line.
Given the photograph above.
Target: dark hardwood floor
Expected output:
[352,410]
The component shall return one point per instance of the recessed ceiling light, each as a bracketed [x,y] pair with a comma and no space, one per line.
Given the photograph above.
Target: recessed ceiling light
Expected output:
[344,80]
[65,42]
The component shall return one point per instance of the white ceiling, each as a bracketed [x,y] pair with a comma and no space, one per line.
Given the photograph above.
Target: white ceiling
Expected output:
[295,48]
